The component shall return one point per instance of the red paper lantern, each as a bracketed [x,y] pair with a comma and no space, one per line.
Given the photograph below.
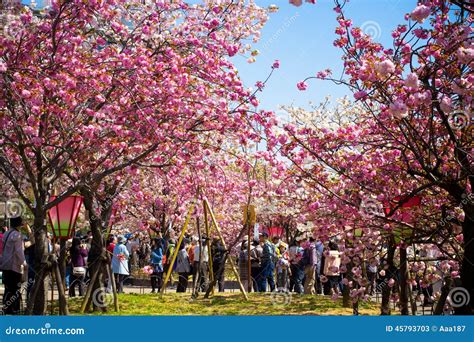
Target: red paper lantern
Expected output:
[407,203]
[63,216]
[403,214]
[275,231]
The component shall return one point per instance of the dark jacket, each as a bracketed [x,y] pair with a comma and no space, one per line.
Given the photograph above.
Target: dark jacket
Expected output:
[78,257]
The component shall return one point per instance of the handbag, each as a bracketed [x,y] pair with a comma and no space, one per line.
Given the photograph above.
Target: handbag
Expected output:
[79,271]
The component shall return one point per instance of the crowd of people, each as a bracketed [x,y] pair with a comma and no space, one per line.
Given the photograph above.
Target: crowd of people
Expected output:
[275,265]
[300,266]
[153,256]
[304,266]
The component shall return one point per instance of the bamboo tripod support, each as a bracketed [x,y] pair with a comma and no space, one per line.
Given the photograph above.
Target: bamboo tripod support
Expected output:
[216,225]
[207,210]
[175,253]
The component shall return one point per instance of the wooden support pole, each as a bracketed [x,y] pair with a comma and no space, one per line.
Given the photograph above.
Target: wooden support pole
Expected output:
[236,273]
[52,293]
[89,290]
[64,310]
[114,286]
[208,233]
[249,261]
[176,251]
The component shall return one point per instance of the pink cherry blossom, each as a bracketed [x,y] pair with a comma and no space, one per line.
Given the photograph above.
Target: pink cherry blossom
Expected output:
[296,2]
[420,13]
[385,67]
[360,94]
[302,85]
[412,80]
[399,109]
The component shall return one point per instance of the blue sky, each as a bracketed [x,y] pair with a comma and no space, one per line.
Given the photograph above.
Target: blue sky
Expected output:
[301,38]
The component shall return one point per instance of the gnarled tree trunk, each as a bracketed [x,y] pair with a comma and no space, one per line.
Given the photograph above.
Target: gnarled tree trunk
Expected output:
[38,295]
[467,268]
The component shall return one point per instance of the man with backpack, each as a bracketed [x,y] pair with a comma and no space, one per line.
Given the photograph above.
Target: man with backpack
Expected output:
[170,247]
[310,261]
[218,253]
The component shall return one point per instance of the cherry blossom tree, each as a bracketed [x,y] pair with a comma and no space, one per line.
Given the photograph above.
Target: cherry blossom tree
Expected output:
[93,89]
[416,125]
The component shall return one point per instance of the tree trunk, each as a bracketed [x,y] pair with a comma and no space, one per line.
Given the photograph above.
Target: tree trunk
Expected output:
[403,282]
[196,286]
[355,308]
[346,297]
[63,308]
[467,268]
[62,261]
[444,295]
[97,255]
[37,299]
[389,272]
[214,281]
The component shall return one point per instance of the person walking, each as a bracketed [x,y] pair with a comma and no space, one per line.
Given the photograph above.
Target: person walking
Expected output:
[156,260]
[201,265]
[2,232]
[218,262]
[268,264]
[296,268]
[256,252]
[283,266]
[170,247]
[332,262]
[78,253]
[319,254]
[371,267]
[111,241]
[120,263]
[183,268]
[12,264]
[310,260]
[243,264]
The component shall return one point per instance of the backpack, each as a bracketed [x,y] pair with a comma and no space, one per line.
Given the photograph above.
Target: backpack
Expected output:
[254,257]
[305,260]
[169,253]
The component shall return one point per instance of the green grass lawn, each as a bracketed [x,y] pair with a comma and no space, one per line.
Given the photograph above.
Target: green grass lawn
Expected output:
[227,304]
